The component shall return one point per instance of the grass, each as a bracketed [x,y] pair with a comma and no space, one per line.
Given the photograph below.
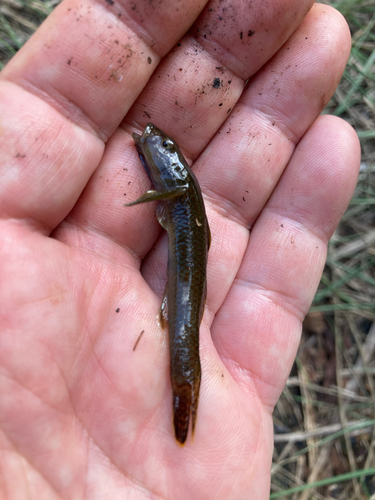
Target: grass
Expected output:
[325,419]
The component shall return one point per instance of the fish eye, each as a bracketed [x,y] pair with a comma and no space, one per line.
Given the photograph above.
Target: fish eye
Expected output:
[167,144]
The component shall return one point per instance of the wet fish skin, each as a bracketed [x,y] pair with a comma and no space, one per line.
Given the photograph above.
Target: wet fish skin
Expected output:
[182,214]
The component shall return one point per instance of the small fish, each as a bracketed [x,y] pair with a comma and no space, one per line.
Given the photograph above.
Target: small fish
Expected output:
[182,214]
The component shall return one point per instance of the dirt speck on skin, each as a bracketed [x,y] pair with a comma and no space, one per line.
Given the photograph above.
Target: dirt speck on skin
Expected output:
[216,84]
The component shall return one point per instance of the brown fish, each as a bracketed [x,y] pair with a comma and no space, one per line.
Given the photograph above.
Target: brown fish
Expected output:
[182,214]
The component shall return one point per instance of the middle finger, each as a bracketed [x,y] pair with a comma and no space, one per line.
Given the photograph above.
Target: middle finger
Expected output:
[189,96]
[243,163]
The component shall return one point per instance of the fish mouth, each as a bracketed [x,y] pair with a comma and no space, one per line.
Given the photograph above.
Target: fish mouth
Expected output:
[137,138]
[149,130]
[140,142]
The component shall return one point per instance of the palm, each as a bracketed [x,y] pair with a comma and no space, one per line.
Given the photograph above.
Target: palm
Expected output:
[85,392]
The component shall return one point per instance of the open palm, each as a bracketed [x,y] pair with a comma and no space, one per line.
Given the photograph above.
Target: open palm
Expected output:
[85,395]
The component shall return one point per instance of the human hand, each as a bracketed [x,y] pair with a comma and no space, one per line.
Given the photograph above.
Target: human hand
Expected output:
[83,414]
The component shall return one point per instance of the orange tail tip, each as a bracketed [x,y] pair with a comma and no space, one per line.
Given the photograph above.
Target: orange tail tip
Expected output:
[185,403]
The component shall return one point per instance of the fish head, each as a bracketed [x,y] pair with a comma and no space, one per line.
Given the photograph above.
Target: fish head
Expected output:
[161,157]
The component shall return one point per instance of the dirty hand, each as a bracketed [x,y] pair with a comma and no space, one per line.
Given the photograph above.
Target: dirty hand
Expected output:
[85,410]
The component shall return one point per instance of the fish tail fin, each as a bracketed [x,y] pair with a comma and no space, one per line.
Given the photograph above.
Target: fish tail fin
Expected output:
[185,403]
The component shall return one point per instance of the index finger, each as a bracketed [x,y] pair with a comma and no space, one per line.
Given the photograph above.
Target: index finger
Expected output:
[68,89]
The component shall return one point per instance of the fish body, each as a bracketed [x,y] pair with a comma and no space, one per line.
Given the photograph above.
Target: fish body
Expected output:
[182,213]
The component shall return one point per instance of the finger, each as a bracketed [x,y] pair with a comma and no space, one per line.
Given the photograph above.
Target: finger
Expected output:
[282,101]
[66,92]
[243,163]
[184,99]
[257,330]
[198,84]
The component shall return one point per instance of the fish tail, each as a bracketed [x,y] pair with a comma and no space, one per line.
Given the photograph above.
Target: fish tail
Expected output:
[185,403]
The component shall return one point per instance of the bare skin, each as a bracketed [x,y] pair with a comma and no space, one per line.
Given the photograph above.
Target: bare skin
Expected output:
[85,410]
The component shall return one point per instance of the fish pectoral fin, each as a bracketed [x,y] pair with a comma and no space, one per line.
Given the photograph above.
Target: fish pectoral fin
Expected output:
[203,303]
[208,237]
[159,195]
[162,215]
